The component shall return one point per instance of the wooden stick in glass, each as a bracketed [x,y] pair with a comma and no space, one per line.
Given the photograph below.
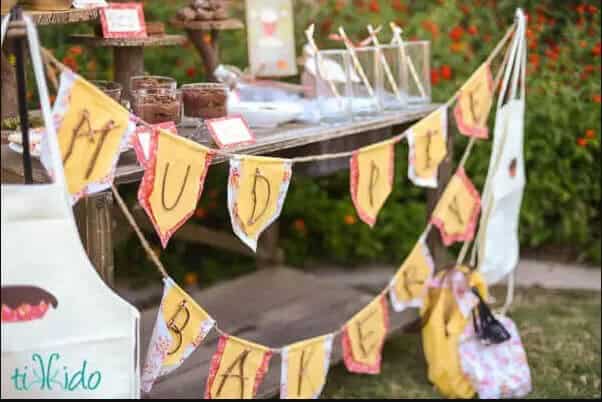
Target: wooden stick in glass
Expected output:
[383,59]
[309,34]
[398,40]
[356,62]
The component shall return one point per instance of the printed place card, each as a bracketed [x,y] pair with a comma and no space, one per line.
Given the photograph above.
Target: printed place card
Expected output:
[230,131]
[123,20]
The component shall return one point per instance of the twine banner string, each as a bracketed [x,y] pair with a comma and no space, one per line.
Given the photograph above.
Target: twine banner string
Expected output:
[155,259]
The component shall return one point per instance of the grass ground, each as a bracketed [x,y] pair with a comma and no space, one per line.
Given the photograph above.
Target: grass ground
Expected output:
[561,334]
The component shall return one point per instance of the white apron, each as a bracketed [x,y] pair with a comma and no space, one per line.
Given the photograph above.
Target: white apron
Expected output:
[498,243]
[65,334]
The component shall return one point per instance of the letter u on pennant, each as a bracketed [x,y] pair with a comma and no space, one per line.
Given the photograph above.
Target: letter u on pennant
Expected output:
[173,181]
[237,369]
[257,188]
[371,179]
[180,327]
[474,103]
[92,128]
[364,336]
[457,211]
[305,365]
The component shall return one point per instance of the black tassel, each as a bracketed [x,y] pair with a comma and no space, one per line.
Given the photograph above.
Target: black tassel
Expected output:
[487,328]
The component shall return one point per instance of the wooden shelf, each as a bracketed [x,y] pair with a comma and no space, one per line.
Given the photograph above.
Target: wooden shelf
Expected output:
[63,17]
[218,25]
[150,41]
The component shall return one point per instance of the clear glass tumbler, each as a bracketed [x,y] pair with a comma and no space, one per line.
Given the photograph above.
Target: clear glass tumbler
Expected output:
[332,85]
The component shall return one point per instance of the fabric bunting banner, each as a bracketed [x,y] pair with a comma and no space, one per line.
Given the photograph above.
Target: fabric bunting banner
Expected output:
[142,138]
[180,327]
[371,179]
[457,211]
[305,365]
[173,181]
[474,103]
[427,142]
[91,129]
[364,336]
[409,285]
[257,188]
[237,369]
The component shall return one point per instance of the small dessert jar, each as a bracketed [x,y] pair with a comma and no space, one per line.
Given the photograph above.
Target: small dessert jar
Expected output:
[149,82]
[110,88]
[158,105]
[331,85]
[204,100]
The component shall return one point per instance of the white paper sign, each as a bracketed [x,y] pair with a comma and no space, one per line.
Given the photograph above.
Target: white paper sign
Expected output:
[123,20]
[229,131]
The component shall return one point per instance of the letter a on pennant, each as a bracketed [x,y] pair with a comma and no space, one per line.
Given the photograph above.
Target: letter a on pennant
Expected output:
[173,181]
[474,103]
[305,365]
[457,211]
[92,128]
[237,369]
[364,336]
[427,141]
[257,188]
[371,179]
[409,285]
[180,327]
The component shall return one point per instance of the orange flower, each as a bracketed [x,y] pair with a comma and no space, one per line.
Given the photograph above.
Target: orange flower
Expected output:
[191,72]
[75,50]
[582,142]
[581,8]
[374,6]
[457,47]
[430,26]
[446,72]
[592,9]
[590,133]
[473,30]
[552,53]
[582,44]
[339,5]
[70,62]
[456,33]
[596,50]
[399,6]
[597,98]
[534,59]
[299,225]
[435,77]
[349,219]
[191,278]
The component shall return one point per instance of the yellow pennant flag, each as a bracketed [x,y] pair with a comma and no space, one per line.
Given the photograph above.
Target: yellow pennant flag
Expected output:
[305,365]
[92,128]
[409,285]
[456,212]
[427,141]
[474,103]
[257,188]
[237,369]
[364,336]
[371,179]
[173,181]
[180,327]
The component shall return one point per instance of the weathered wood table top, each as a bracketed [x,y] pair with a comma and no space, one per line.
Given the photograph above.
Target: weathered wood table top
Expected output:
[269,141]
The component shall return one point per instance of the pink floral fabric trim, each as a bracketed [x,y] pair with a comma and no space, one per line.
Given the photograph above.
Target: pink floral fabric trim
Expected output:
[457,281]
[351,364]
[217,359]
[498,370]
[147,185]
[354,176]
[465,129]
[450,238]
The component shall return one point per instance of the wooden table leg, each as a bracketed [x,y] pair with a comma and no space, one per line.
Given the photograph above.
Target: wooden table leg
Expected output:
[269,255]
[206,44]
[9,89]
[128,62]
[95,224]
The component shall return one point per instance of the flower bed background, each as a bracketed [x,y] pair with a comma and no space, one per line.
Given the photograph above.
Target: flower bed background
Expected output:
[560,211]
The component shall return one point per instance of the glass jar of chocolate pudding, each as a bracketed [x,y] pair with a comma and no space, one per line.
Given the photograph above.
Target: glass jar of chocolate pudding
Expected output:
[155,99]
[111,88]
[204,100]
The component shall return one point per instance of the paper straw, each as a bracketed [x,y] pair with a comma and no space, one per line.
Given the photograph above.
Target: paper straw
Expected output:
[356,62]
[384,62]
[309,34]
[397,38]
